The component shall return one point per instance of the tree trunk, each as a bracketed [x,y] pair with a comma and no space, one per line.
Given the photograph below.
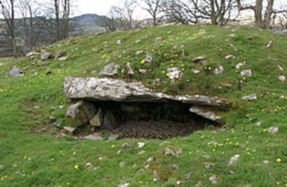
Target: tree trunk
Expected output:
[268,13]
[258,14]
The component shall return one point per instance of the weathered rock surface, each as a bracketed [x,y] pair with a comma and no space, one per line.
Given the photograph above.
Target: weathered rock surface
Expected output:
[16,72]
[106,89]
[46,56]
[97,120]
[110,70]
[206,114]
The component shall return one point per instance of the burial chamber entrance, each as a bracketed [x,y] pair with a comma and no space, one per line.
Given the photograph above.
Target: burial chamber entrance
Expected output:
[130,110]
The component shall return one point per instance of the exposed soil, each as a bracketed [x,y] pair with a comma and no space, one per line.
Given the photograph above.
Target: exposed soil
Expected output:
[157,129]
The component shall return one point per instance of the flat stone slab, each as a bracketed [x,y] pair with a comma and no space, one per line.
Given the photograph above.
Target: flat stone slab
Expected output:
[107,89]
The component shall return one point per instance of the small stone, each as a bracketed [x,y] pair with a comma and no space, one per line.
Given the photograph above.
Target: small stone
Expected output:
[258,123]
[148,58]
[251,97]
[213,179]
[208,165]
[141,152]
[174,73]
[143,71]
[113,137]
[94,137]
[219,70]
[89,165]
[269,44]
[122,164]
[110,70]
[64,58]
[246,73]
[195,71]
[150,159]
[130,69]
[16,72]
[188,176]
[124,185]
[69,129]
[46,56]
[233,159]
[282,78]
[280,68]
[239,65]
[139,52]
[229,57]
[273,130]
[126,146]
[172,151]
[199,59]
[32,55]
[141,145]
[119,42]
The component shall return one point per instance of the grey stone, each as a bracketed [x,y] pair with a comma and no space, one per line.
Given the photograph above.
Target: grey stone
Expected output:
[130,69]
[174,73]
[148,58]
[251,97]
[32,55]
[229,57]
[219,70]
[206,114]
[143,71]
[199,59]
[246,73]
[46,56]
[273,130]
[82,112]
[97,120]
[16,72]
[94,137]
[110,70]
[173,151]
[109,121]
[269,44]
[69,129]
[106,89]
[282,78]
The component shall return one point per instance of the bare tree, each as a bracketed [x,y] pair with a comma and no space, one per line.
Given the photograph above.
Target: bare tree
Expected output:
[218,11]
[153,8]
[179,11]
[262,17]
[8,12]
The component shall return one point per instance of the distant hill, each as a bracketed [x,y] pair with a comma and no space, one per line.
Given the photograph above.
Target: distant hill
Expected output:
[88,23]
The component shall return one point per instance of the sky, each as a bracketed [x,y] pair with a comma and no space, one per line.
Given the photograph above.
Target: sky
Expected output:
[100,7]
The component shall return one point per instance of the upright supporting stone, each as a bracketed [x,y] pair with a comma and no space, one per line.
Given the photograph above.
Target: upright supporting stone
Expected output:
[110,121]
[82,112]
[97,119]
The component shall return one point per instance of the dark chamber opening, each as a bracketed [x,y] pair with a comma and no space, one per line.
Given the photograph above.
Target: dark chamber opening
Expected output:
[152,120]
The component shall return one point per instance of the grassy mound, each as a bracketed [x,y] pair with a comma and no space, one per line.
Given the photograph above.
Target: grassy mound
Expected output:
[33,152]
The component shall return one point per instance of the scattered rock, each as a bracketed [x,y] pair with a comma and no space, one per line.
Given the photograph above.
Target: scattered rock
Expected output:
[229,57]
[174,73]
[213,179]
[70,130]
[219,70]
[269,44]
[119,42]
[188,176]
[199,59]
[16,72]
[113,137]
[32,55]
[60,107]
[273,130]
[46,56]
[64,58]
[258,123]
[143,71]
[246,73]
[89,165]
[110,70]
[148,58]
[141,145]
[126,146]
[208,165]
[130,69]
[97,120]
[94,137]
[61,54]
[233,159]
[239,65]
[195,71]
[251,97]
[282,78]
[124,185]
[139,52]
[172,151]
[280,67]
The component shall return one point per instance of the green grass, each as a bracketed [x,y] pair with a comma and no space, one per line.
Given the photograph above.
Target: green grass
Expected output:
[29,158]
